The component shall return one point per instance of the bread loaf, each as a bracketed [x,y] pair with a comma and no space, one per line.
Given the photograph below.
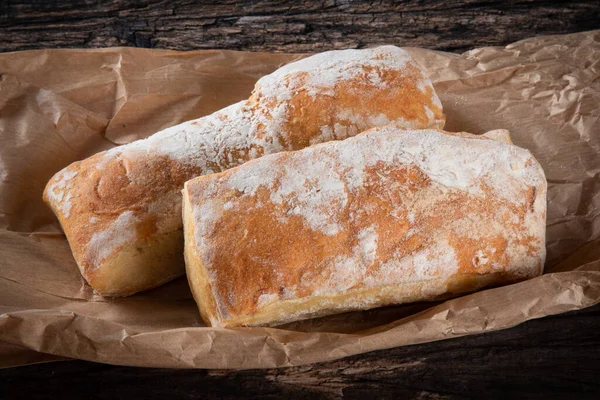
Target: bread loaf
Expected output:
[387,217]
[121,209]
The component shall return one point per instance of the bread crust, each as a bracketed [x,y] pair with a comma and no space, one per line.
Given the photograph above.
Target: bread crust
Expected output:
[127,199]
[387,217]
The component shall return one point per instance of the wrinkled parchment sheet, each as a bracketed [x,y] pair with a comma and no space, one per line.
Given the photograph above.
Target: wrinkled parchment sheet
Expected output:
[59,106]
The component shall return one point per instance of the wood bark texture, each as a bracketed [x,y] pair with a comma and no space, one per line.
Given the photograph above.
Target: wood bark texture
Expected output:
[286,26]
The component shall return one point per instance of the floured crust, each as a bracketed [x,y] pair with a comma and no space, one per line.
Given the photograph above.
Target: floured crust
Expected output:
[127,198]
[386,217]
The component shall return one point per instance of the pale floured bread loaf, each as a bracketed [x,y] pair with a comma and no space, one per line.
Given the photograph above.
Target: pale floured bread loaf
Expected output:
[121,209]
[386,217]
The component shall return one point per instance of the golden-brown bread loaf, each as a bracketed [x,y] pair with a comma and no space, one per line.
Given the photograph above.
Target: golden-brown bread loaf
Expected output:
[387,217]
[121,209]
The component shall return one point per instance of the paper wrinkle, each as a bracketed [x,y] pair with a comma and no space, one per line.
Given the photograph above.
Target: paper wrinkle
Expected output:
[58,106]
[121,87]
[14,282]
[67,117]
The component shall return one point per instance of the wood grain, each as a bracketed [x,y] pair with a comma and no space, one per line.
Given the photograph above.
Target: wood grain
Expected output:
[286,26]
[552,357]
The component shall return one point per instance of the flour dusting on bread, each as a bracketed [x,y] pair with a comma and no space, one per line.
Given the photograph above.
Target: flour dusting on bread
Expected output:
[59,190]
[103,244]
[387,207]
[319,74]
[329,96]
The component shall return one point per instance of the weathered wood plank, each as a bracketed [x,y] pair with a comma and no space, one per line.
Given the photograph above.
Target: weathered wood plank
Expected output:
[305,26]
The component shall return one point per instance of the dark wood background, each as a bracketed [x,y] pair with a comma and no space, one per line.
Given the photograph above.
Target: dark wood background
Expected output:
[554,357]
[287,26]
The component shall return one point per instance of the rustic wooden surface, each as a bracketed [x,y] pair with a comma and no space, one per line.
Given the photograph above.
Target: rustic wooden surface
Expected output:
[300,26]
[554,357]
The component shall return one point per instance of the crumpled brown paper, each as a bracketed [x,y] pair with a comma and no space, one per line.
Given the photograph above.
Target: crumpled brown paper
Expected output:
[58,106]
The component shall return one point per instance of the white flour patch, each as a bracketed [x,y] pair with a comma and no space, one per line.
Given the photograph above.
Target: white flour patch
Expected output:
[59,192]
[103,244]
